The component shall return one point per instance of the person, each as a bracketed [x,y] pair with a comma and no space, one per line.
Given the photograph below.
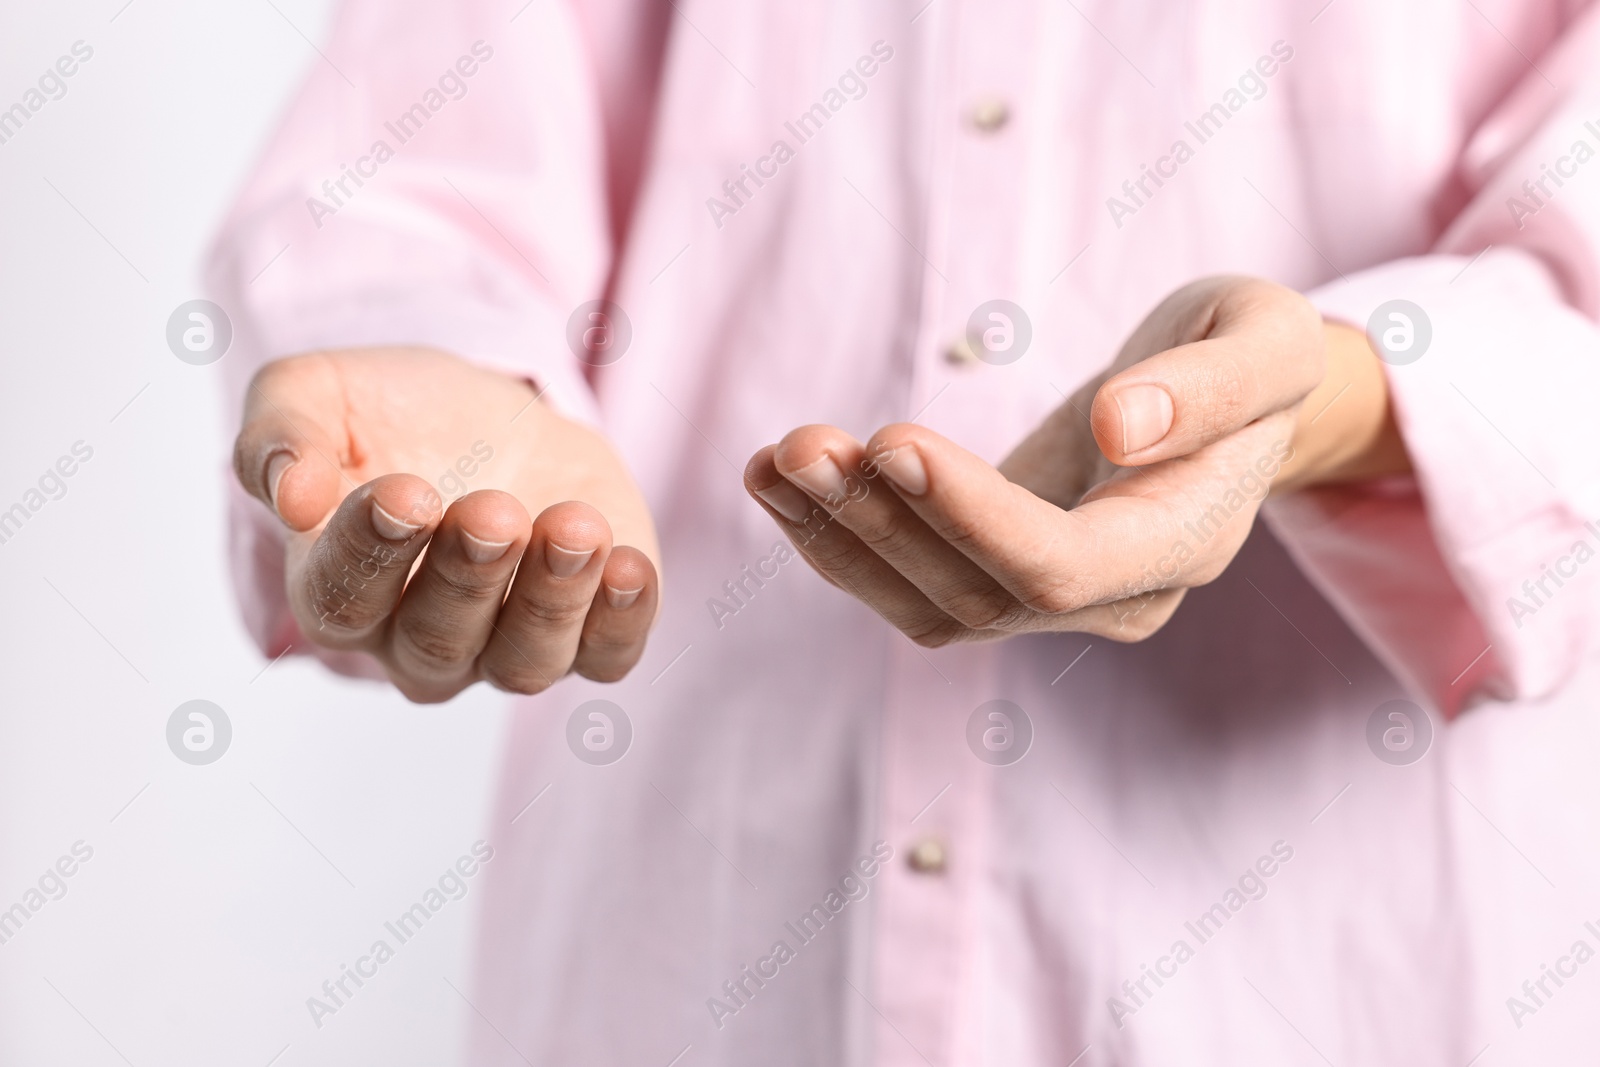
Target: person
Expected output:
[1004,319]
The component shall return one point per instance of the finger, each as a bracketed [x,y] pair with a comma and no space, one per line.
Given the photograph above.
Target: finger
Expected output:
[1123,542]
[287,454]
[350,579]
[829,464]
[800,517]
[619,619]
[842,560]
[539,627]
[446,614]
[1262,353]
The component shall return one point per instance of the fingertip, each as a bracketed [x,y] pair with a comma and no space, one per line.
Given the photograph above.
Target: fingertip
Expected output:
[492,515]
[278,463]
[281,458]
[764,482]
[573,533]
[804,445]
[761,471]
[895,435]
[624,608]
[574,524]
[628,578]
[899,450]
[302,492]
[402,505]
[489,525]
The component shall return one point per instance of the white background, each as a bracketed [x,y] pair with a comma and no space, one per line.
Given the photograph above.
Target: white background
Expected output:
[205,918]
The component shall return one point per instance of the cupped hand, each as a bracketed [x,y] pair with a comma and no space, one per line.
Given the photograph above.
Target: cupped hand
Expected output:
[1142,486]
[356,452]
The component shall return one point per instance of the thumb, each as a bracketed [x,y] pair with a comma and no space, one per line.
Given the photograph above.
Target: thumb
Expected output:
[286,456]
[1253,348]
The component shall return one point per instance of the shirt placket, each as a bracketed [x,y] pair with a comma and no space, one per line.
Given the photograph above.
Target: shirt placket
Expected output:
[935,797]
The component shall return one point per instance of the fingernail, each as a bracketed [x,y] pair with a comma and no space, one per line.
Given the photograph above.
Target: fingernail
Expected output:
[563,562]
[277,464]
[1146,416]
[823,479]
[904,468]
[390,528]
[480,551]
[622,598]
[787,501]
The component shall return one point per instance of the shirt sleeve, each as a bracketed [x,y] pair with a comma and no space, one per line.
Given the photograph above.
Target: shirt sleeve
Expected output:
[1477,577]
[438,181]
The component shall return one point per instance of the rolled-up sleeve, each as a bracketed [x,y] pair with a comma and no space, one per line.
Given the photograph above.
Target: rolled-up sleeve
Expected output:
[1479,576]
[439,181]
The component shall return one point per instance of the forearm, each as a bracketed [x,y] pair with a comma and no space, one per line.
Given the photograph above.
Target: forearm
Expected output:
[1346,430]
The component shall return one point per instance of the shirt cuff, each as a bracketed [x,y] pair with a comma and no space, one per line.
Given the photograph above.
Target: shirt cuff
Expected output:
[1470,578]
[527,342]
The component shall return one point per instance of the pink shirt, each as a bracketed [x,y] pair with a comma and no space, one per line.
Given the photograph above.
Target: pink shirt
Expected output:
[1213,788]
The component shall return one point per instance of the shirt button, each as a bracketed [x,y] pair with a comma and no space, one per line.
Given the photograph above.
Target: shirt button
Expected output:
[927,856]
[989,114]
[959,351]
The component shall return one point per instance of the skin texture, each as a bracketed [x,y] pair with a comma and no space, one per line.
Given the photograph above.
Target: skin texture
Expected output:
[1110,510]
[548,566]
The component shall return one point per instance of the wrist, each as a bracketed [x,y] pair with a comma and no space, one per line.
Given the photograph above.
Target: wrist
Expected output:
[1345,431]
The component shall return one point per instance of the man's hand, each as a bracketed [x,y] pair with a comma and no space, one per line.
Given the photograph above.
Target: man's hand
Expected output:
[347,448]
[1142,486]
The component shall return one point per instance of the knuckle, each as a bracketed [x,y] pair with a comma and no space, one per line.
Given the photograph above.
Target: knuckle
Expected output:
[341,551]
[611,644]
[963,531]
[1055,597]
[538,613]
[1227,395]
[338,606]
[985,610]
[839,561]
[345,586]
[823,545]
[888,539]
[431,641]
[465,587]
[933,632]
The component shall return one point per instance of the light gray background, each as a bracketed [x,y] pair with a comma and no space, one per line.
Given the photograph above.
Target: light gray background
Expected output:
[206,917]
